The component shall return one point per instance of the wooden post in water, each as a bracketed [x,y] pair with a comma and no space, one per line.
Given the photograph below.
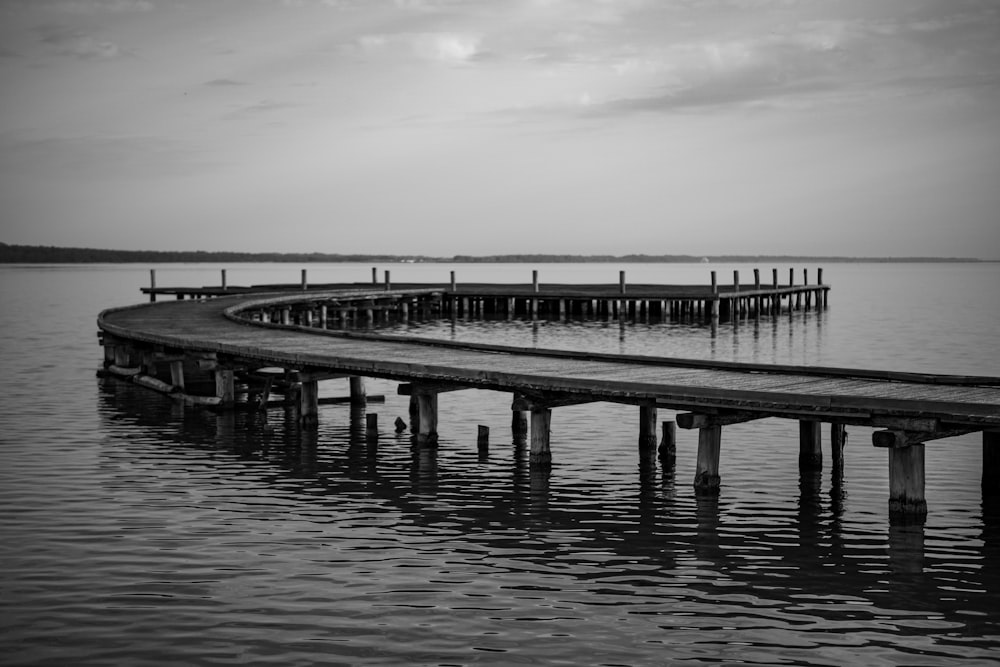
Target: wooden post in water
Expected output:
[647,430]
[374,275]
[906,483]
[371,427]
[152,285]
[483,440]
[454,285]
[309,402]
[534,281]
[224,286]
[810,445]
[358,394]
[225,387]
[838,439]
[541,419]
[388,282]
[706,477]
[668,445]
[177,374]
[621,282]
[991,464]
[427,407]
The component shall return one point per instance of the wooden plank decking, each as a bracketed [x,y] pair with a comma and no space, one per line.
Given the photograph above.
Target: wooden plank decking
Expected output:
[826,394]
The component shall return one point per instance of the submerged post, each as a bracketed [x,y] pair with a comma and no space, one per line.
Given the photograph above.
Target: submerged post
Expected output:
[706,477]
[810,445]
[647,430]
[541,419]
[668,445]
[309,402]
[906,483]
[357,385]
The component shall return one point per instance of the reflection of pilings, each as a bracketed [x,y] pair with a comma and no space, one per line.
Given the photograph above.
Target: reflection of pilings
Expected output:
[906,547]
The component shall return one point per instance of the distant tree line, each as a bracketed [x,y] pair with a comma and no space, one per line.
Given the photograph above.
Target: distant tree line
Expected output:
[26,254]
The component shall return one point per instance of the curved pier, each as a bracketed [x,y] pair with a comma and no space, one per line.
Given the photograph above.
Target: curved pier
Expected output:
[236,350]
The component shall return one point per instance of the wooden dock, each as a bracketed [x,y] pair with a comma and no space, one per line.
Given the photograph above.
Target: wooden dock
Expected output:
[711,303]
[235,351]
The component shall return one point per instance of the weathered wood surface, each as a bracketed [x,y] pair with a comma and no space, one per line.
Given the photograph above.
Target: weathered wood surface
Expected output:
[819,394]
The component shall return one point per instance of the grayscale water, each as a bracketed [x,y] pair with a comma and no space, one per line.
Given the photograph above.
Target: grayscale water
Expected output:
[133,532]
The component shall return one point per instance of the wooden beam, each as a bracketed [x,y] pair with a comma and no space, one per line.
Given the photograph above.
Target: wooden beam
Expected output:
[554,400]
[415,389]
[903,439]
[721,418]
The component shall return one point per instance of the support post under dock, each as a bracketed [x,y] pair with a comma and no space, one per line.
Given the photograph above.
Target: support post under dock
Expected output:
[706,477]
[906,483]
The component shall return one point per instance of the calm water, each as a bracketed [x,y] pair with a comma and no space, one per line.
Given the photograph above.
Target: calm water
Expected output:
[134,532]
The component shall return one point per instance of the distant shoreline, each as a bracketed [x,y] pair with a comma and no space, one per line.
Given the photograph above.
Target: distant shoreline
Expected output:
[26,254]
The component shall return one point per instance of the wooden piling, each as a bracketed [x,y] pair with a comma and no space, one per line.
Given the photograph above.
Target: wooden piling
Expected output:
[541,419]
[309,403]
[305,282]
[668,445]
[371,426]
[810,445]
[706,478]
[225,387]
[427,406]
[483,439]
[534,281]
[621,282]
[224,286]
[152,285]
[358,394]
[388,282]
[177,374]
[906,483]
[647,430]
[838,439]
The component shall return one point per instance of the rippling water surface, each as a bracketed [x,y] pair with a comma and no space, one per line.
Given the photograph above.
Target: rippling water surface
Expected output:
[135,532]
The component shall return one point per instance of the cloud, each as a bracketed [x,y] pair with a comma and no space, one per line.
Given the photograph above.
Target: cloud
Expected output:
[71,42]
[225,82]
[445,47]
[97,6]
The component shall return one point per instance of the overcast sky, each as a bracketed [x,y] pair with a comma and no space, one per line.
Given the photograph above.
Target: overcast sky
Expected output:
[441,127]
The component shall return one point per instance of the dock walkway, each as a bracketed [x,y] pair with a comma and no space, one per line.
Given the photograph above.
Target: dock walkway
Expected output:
[237,339]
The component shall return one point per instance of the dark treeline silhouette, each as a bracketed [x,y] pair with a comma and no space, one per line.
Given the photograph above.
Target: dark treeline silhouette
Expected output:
[26,254]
